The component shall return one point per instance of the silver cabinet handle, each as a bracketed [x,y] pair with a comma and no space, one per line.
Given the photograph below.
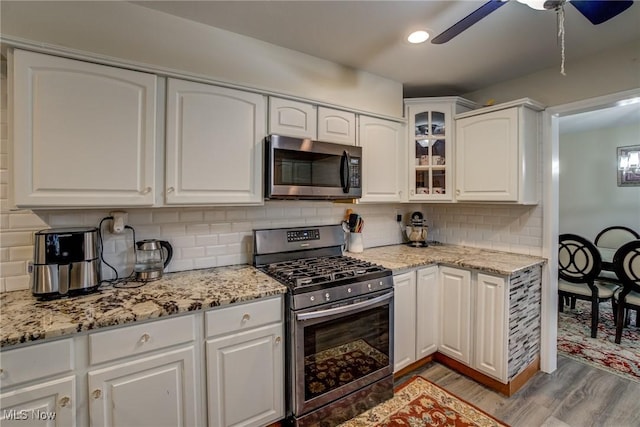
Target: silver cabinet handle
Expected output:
[171,190]
[65,401]
[413,192]
[457,192]
[147,190]
[97,394]
[145,338]
[246,317]
[278,340]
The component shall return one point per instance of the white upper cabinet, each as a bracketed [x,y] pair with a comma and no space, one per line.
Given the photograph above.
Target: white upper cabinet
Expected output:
[336,126]
[83,135]
[214,144]
[430,148]
[497,153]
[383,159]
[293,118]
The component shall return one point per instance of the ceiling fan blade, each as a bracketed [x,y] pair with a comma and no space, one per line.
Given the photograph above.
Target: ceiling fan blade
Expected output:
[467,21]
[599,11]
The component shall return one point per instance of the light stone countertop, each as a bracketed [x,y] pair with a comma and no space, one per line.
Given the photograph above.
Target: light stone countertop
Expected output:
[400,258]
[24,319]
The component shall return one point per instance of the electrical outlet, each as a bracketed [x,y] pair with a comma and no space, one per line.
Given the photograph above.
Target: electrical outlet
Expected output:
[398,216]
[118,222]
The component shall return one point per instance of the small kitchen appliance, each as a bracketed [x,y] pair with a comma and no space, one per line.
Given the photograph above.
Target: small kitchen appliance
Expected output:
[416,230]
[151,260]
[298,168]
[339,312]
[66,261]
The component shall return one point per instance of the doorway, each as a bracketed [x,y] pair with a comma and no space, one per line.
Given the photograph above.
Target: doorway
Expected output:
[550,182]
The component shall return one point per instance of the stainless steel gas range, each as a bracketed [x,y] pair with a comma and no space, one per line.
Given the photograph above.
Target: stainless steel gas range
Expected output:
[339,323]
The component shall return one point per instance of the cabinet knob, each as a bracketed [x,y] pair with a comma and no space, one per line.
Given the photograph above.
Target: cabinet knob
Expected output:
[246,317]
[147,190]
[278,340]
[413,192]
[65,401]
[170,190]
[457,192]
[96,394]
[145,338]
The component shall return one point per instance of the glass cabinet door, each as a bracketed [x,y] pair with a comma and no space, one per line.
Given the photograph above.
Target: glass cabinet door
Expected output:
[430,179]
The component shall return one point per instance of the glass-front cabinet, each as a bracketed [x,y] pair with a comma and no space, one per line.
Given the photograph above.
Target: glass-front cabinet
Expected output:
[431,141]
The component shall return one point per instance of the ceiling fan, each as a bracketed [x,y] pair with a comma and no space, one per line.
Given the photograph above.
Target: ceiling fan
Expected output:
[596,11]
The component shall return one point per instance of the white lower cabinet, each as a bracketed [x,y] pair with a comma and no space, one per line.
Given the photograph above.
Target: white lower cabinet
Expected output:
[158,390]
[455,309]
[245,364]
[38,387]
[415,316]
[50,403]
[491,330]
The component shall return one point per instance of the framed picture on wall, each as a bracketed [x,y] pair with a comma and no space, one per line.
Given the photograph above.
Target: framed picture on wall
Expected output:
[629,166]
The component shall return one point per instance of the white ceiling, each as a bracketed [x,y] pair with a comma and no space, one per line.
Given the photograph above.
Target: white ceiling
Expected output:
[370,35]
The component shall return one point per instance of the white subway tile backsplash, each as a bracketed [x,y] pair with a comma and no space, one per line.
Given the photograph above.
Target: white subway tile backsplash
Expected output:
[216,250]
[206,240]
[183,241]
[214,215]
[195,252]
[140,217]
[197,229]
[17,283]
[13,268]
[191,216]
[20,253]
[172,230]
[26,220]
[162,216]
[16,238]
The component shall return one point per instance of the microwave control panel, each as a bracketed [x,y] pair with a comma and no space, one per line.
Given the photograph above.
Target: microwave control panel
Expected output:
[354,172]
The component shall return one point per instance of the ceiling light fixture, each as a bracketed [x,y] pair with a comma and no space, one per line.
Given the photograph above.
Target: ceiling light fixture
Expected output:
[534,4]
[418,37]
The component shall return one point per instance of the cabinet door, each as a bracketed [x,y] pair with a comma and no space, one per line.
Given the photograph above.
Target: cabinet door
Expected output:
[383,157]
[84,133]
[487,157]
[245,377]
[153,391]
[214,144]
[404,320]
[52,403]
[292,118]
[455,314]
[427,312]
[491,326]
[336,126]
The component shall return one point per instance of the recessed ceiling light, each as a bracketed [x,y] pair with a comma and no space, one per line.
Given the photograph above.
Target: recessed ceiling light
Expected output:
[418,37]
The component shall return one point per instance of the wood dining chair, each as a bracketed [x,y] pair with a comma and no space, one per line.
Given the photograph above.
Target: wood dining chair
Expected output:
[612,238]
[579,264]
[626,264]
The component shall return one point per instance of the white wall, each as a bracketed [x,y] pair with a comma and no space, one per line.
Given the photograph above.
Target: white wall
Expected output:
[616,70]
[132,33]
[590,198]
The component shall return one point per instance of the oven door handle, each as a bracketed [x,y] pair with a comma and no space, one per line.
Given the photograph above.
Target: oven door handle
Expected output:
[339,310]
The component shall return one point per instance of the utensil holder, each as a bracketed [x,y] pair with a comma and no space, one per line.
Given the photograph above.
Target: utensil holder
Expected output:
[355,242]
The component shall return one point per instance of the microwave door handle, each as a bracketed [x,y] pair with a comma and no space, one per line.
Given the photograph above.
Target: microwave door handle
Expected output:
[344,165]
[343,309]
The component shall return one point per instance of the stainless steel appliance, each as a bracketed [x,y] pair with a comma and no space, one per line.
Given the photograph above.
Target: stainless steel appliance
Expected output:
[66,262]
[305,169]
[151,260]
[417,229]
[339,313]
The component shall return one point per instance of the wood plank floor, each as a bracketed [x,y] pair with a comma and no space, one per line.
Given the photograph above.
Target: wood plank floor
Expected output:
[575,395]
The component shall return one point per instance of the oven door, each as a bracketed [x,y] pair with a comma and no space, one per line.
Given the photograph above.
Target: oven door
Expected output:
[339,349]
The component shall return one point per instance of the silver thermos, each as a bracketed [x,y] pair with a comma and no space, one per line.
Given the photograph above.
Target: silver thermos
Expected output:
[66,261]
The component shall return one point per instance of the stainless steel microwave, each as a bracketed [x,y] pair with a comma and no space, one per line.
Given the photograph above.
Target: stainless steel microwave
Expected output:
[305,169]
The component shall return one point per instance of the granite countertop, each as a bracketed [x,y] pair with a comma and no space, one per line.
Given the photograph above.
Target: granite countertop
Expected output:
[25,319]
[400,258]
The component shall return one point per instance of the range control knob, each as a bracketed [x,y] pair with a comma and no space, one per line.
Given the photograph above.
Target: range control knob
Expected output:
[312,298]
[349,290]
[327,296]
[369,286]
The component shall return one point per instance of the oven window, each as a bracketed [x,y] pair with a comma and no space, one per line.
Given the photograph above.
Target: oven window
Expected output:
[341,351]
[306,169]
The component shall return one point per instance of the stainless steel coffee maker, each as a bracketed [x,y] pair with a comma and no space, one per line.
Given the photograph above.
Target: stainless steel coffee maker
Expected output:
[150,259]
[66,261]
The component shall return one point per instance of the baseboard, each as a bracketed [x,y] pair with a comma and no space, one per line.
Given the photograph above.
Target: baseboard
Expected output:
[415,365]
[507,389]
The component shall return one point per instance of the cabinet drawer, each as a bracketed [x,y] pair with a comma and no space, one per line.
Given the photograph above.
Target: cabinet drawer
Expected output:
[137,339]
[37,361]
[244,316]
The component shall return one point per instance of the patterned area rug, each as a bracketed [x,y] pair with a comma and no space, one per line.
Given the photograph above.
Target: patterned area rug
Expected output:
[575,342]
[420,403]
